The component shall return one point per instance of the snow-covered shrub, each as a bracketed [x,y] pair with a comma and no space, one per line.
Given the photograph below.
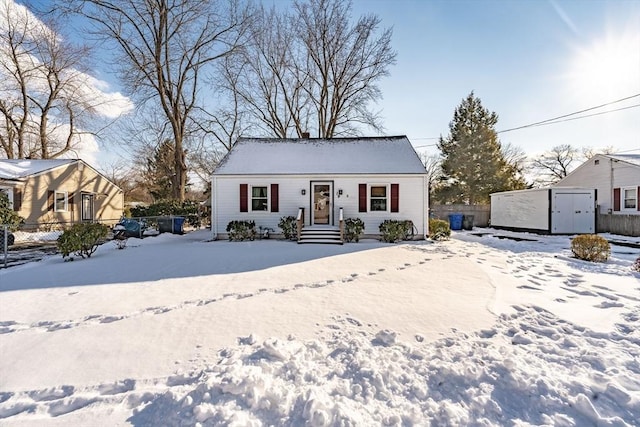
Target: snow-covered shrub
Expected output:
[439,229]
[392,230]
[636,265]
[241,230]
[591,247]
[353,228]
[82,239]
[289,227]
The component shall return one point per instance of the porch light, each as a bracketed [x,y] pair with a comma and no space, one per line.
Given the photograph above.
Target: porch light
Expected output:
[303,191]
[340,192]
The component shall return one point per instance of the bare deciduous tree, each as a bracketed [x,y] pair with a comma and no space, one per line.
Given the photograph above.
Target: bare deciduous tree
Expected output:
[313,69]
[555,164]
[43,96]
[165,48]
[345,63]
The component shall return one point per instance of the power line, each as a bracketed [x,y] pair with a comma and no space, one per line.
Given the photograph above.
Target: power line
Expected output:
[573,114]
[556,119]
[587,115]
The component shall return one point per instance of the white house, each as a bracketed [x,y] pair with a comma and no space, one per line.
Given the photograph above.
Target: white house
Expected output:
[322,180]
[616,177]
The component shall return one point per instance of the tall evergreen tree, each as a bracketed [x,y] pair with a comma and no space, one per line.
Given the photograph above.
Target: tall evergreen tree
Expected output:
[473,163]
[161,171]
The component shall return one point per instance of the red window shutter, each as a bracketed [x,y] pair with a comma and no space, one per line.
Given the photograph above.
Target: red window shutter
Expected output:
[51,200]
[616,199]
[17,199]
[274,198]
[395,197]
[362,197]
[244,198]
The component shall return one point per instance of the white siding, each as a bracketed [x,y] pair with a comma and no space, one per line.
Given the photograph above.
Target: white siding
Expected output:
[604,176]
[527,209]
[413,200]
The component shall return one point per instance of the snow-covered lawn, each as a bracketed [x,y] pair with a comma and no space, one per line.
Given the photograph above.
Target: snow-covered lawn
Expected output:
[177,330]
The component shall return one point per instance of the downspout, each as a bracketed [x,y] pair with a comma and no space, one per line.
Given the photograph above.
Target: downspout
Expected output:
[425,206]
[214,208]
[610,210]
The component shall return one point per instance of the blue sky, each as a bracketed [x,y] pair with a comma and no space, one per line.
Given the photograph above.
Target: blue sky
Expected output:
[528,61]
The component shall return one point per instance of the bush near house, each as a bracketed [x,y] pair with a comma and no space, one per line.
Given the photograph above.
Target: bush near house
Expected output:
[439,229]
[82,239]
[241,230]
[636,265]
[8,216]
[392,230]
[590,247]
[353,228]
[289,227]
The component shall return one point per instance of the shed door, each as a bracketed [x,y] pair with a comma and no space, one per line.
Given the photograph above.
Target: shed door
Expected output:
[321,203]
[573,213]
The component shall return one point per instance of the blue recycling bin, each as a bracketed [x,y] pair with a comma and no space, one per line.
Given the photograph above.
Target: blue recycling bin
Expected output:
[178,225]
[171,224]
[455,221]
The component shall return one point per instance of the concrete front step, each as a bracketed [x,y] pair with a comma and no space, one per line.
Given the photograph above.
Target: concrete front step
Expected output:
[320,234]
[321,241]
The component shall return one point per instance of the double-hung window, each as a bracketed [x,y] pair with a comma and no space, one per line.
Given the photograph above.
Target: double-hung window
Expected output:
[61,201]
[630,198]
[378,201]
[259,199]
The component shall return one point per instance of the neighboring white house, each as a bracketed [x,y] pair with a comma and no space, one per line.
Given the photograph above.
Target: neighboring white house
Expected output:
[616,177]
[374,179]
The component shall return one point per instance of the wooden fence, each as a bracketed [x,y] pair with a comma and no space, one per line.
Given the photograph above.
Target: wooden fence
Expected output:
[625,225]
[481,213]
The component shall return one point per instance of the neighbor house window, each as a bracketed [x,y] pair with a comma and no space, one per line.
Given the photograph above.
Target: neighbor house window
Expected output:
[630,198]
[378,198]
[61,201]
[259,199]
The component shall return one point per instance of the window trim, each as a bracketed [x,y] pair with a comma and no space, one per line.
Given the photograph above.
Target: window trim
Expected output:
[623,199]
[267,198]
[55,201]
[387,197]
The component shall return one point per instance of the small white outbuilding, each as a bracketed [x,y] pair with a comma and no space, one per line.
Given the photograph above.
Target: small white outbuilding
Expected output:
[560,210]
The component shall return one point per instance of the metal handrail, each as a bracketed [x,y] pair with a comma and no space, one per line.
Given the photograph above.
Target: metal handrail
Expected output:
[341,223]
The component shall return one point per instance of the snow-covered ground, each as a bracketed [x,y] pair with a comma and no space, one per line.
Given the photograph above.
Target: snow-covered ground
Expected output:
[177,330]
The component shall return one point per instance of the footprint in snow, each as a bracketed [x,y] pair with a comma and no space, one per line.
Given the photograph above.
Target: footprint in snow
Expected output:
[609,304]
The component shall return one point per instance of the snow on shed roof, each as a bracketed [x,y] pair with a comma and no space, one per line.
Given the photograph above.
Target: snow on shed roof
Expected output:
[371,155]
[22,168]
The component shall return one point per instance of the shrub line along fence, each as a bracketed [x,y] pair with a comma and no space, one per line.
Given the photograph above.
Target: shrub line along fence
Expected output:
[47,233]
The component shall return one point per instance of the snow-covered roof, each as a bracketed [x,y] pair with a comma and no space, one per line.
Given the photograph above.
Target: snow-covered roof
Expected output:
[371,155]
[15,169]
[634,159]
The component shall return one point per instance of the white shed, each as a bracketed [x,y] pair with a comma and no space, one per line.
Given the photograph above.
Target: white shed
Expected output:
[560,210]
[374,179]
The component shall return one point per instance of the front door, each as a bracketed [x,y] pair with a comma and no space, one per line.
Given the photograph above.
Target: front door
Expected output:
[87,207]
[321,203]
